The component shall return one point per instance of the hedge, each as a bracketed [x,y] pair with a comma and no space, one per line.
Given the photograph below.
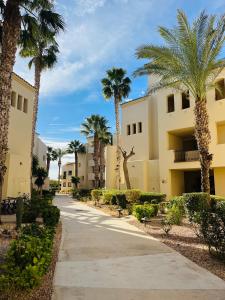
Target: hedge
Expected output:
[149,197]
[28,258]
[146,210]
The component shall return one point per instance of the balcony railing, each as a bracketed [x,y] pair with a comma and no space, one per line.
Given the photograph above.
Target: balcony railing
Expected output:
[180,156]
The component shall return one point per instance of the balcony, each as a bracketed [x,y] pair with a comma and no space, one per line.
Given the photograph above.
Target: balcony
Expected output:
[182,156]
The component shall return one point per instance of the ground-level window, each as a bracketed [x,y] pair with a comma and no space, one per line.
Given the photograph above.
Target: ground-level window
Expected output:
[170,103]
[220,90]
[140,127]
[64,184]
[19,102]
[134,128]
[185,100]
[13,99]
[69,184]
[128,129]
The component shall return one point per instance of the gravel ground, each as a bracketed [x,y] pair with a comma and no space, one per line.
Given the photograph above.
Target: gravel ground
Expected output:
[44,291]
[181,238]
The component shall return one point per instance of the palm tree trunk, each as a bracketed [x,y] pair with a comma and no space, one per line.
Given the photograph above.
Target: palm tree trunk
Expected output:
[102,163]
[59,166]
[203,138]
[10,35]
[116,102]
[35,111]
[96,159]
[76,166]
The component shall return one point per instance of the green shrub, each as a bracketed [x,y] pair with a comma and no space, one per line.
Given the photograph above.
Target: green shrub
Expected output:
[96,195]
[85,193]
[107,196]
[156,209]
[148,197]
[196,203]
[133,196]
[212,229]
[51,216]
[141,211]
[27,259]
[121,200]
[178,201]
[110,197]
[174,215]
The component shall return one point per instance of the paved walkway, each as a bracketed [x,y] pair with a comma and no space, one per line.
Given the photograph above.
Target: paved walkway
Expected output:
[105,258]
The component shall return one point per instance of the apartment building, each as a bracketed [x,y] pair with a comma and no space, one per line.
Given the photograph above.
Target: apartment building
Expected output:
[40,151]
[161,129]
[17,178]
[85,169]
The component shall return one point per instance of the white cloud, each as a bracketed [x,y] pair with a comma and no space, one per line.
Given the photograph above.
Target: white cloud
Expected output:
[70,129]
[88,6]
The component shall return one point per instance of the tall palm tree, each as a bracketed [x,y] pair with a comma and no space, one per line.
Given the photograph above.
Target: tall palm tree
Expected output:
[92,127]
[116,85]
[76,147]
[44,52]
[57,155]
[189,60]
[105,138]
[50,157]
[20,18]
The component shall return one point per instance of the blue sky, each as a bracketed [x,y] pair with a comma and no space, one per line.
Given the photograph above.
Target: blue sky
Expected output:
[100,34]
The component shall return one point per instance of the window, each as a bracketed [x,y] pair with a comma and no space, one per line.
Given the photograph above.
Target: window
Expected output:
[128,129]
[140,127]
[13,99]
[220,92]
[221,133]
[185,100]
[134,128]
[64,175]
[170,103]
[25,105]
[64,184]
[19,102]
[69,184]
[70,173]
[79,165]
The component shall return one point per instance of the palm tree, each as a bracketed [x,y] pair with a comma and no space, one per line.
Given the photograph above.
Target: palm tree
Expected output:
[76,147]
[20,19]
[116,85]
[40,175]
[44,52]
[50,157]
[189,60]
[75,180]
[93,127]
[57,155]
[105,138]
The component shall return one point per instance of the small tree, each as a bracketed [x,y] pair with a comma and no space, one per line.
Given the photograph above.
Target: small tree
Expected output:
[125,168]
[75,180]
[41,174]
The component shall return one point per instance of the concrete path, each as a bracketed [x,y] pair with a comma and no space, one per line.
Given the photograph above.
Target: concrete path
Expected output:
[105,258]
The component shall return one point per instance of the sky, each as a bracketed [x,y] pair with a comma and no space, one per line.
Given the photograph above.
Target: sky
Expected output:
[99,35]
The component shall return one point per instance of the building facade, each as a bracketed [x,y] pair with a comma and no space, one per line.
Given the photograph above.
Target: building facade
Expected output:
[17,178]
[86,168]
[40,151]
[160,127]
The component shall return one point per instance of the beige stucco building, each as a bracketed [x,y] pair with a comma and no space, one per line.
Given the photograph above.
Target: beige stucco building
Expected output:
[17,178]
[85,169]
[161,129]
